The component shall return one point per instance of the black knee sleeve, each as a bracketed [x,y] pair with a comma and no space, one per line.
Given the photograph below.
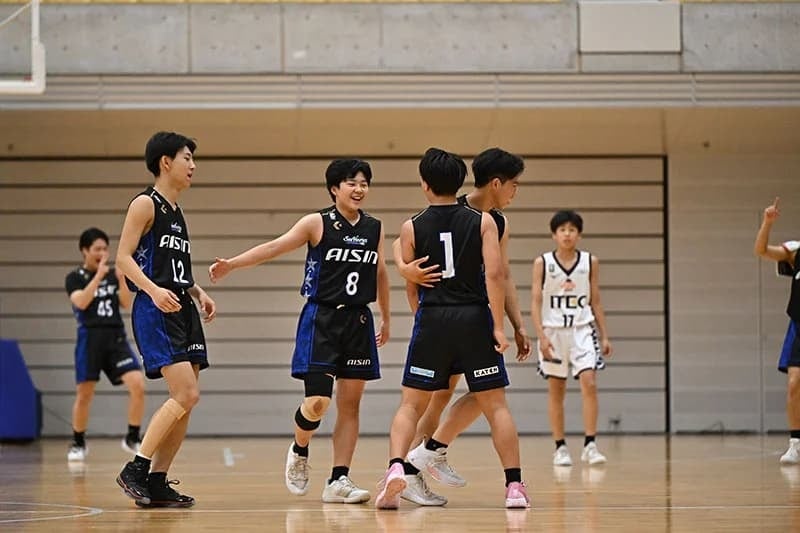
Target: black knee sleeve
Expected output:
[304,423]
[318,385]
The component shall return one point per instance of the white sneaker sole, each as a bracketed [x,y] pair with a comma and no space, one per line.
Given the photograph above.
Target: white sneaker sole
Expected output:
[422,502]
[517,503]
[361,498]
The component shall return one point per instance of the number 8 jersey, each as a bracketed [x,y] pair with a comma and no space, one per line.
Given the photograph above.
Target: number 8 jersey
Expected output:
[164,252]
[566,294]
[343,268]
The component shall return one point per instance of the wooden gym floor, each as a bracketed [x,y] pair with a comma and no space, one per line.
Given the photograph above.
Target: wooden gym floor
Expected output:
[651,483]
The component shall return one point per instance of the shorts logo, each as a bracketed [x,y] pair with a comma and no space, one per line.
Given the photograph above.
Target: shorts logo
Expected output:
[362,319]
[481,372]
[196,348]
[359,362]
[421,371]
[125,362]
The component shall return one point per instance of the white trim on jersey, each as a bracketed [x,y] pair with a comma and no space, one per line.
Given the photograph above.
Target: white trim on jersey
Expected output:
[566,293]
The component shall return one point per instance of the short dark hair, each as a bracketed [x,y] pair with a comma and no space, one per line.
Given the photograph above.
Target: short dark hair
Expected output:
[89,236]
[345,169]
[496,163]
[165,143]
[564,216]
[442,171]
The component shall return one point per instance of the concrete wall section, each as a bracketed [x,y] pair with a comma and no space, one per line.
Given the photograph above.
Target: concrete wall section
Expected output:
[741,37]
[382,38]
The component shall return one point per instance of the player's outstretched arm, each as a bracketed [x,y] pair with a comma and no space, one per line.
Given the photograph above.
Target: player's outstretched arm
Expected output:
[307,229]
[597,308]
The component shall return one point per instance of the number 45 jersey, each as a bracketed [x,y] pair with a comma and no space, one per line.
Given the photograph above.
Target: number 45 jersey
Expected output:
[104,309]
[342,269]
[566,293]
[164,252]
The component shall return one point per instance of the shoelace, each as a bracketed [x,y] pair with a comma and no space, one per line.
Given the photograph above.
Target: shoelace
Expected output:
[424,485]
[299,468]
[441,462]
[170,490]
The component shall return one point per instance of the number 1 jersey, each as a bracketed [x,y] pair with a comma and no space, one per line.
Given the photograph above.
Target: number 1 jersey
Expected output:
[451,236]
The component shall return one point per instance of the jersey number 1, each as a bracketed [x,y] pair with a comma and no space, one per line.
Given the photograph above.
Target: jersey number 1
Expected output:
[449,268]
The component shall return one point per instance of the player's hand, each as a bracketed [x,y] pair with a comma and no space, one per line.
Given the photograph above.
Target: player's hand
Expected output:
[771,213]
[500,341]
[220,269]
[165,300]
[415,273]
[382,337]
[102,267]
[523,344]
[208,306]
[605,346]
[546,347]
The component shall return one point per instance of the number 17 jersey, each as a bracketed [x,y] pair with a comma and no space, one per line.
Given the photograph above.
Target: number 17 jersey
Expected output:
[566,293]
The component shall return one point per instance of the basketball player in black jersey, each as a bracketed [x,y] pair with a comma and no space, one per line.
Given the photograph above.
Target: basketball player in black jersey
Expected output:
[336,339]
[97,291]
[453,326]
[155,255]
[789,262]
[496,174]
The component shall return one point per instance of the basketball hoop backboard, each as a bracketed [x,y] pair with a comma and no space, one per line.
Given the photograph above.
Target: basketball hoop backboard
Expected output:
[32,82]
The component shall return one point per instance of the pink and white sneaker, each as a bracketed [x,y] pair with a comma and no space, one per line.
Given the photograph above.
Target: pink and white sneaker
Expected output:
[517,496]
[394,483]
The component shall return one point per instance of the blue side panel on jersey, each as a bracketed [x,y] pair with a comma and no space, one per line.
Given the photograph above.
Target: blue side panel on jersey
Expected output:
[143,255]
[151,334]
[81,354]
[788,343]
[301,359]
[311,272]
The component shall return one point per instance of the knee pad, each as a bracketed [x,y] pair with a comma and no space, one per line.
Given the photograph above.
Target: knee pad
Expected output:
[304,423]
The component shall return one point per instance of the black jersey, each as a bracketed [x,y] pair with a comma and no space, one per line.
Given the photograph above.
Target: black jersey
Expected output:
[343,268]
[104,309]
[451,236]
[164,252]
[793,309]
[497,215]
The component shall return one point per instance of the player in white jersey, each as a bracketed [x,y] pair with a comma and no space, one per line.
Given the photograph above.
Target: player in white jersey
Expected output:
[571,327]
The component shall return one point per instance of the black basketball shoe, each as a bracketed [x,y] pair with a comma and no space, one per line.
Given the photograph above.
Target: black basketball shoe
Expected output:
[133,480]
[162,495]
